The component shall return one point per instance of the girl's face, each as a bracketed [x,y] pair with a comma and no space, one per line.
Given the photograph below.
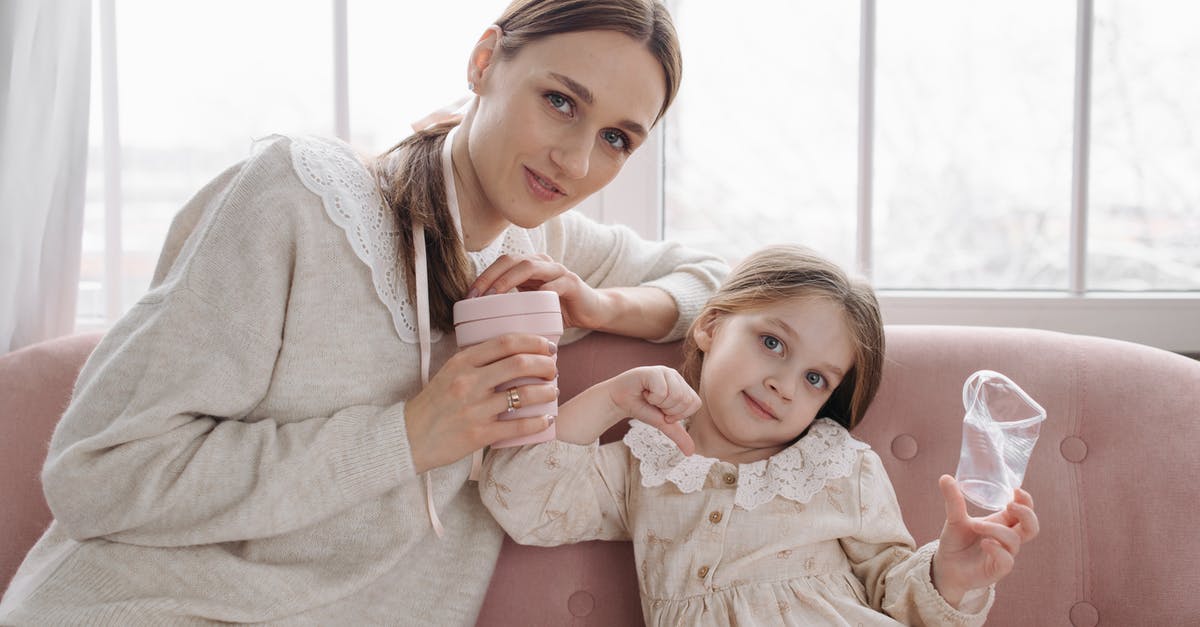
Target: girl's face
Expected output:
[556,122]
[766,373]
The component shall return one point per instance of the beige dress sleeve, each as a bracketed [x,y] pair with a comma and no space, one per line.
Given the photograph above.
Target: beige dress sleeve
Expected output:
[897,578]
[557,493]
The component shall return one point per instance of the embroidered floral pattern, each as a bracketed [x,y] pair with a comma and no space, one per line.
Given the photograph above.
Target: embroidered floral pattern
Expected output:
[499,490]
[825,453]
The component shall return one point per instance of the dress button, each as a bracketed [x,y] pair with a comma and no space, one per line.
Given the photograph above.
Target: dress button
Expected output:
[729,478]
[703,572]
[714,517]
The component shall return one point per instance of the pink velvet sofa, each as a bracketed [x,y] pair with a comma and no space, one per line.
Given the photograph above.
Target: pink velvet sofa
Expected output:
[1115,474]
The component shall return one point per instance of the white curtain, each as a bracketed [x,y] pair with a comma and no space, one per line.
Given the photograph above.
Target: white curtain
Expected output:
[45,83]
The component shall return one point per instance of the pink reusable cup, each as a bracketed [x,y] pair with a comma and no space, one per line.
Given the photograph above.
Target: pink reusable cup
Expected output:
[485,317]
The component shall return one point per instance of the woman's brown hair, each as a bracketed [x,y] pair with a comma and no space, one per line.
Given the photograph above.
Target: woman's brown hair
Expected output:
[410,173]
[778,273]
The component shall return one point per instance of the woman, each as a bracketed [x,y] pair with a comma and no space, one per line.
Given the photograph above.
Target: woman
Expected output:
[253,441]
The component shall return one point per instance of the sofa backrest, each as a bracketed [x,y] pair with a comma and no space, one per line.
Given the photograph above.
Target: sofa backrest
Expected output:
[1113,473]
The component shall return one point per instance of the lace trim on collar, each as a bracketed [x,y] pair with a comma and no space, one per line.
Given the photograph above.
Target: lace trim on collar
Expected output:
[827,452]
[330,169]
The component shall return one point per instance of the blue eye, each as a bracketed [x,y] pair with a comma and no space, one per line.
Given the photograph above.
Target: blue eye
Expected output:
[772,343]
[616,139]
[560,103]
[815,379]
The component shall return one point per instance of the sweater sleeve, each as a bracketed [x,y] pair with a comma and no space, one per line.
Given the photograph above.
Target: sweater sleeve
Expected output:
[615,256]
[897,578]
[557,493]
[158,447]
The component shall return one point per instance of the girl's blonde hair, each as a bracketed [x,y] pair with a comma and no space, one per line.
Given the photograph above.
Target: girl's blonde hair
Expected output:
[784,272]
[410,173]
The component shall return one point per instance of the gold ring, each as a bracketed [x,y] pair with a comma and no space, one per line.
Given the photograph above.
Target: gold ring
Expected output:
[514,399]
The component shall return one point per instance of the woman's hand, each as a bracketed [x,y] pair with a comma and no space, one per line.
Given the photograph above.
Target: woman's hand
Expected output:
[977,552]
[582,305]
[456,413]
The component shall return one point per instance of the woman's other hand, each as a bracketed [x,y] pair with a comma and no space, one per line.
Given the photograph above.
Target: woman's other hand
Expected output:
[582,305]
[457,412]
[977,552]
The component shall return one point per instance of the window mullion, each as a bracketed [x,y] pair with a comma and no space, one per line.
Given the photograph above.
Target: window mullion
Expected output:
[341,71]
[1077,264]
[866,130]
[113,251]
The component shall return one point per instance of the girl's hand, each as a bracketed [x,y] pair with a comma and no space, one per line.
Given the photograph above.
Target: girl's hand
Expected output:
[977,552]
[582,305]
[456,413]
[658,396]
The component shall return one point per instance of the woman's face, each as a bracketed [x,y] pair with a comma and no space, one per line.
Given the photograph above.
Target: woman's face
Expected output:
[556,122]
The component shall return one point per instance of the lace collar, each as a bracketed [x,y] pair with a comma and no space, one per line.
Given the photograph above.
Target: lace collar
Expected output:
[825,453]
[332,170]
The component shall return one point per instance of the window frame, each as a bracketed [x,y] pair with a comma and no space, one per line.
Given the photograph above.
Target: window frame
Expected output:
[1168,320]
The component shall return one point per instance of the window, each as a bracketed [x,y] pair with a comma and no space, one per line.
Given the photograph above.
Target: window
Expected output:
[180,92]
[1145,147]
[983,166]
[939,147]
[182,89]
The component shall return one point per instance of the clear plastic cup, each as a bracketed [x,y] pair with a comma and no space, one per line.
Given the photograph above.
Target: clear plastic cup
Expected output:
[485,317]
[1000,428]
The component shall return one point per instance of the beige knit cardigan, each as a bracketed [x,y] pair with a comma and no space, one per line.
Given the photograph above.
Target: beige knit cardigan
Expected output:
[236,450]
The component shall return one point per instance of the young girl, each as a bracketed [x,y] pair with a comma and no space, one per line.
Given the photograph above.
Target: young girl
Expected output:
[779,516]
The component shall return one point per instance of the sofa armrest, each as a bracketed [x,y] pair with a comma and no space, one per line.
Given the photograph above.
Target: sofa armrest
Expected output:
[35,387]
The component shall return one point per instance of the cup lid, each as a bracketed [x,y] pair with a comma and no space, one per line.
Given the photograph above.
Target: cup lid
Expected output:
[510,304]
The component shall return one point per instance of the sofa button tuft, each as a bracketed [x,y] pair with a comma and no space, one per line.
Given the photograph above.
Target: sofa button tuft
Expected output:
[1073,449]
[581,603]
[1084,614]
[904,447]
